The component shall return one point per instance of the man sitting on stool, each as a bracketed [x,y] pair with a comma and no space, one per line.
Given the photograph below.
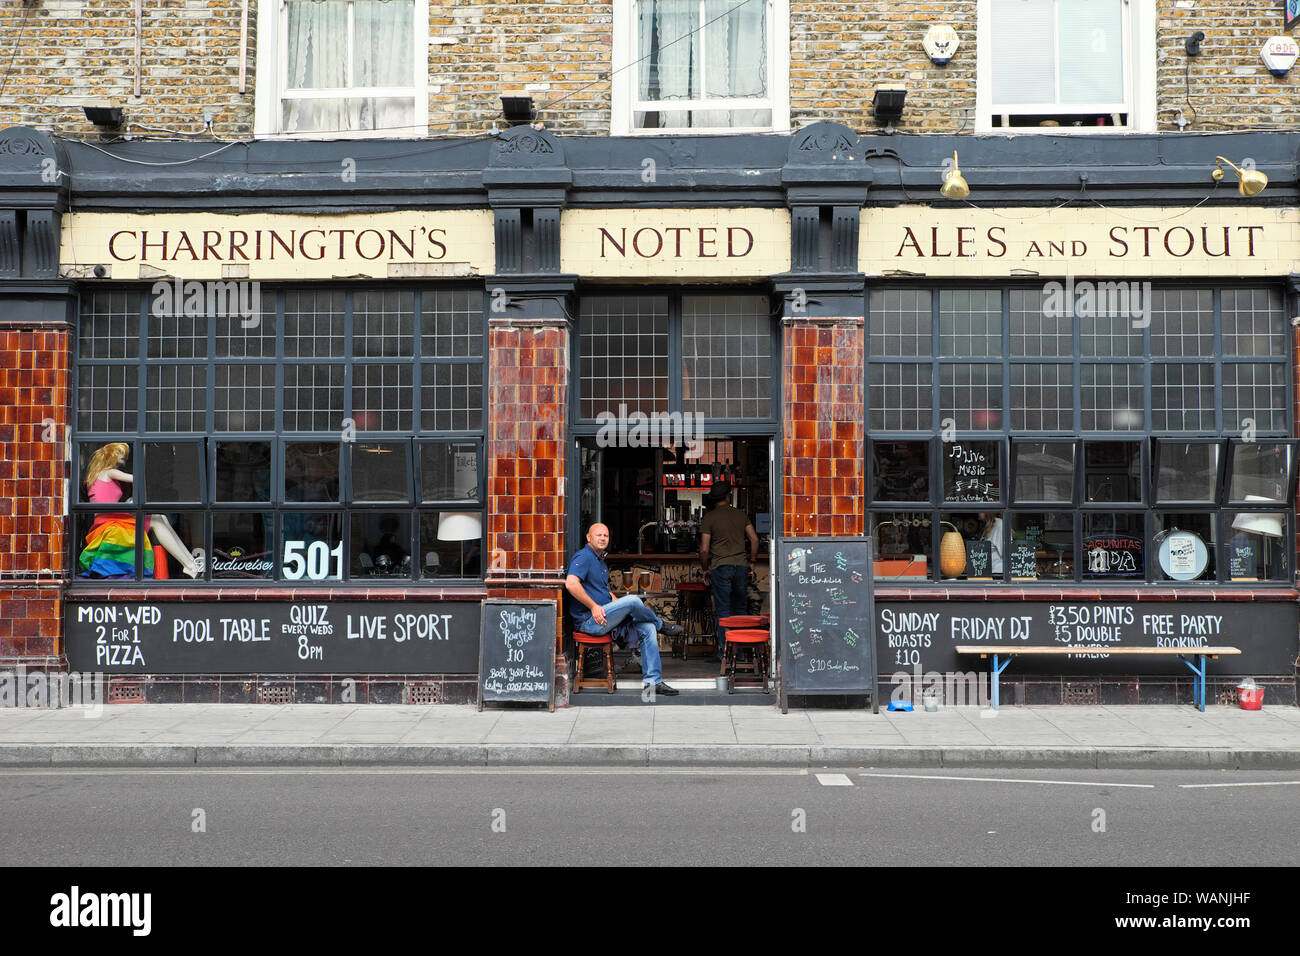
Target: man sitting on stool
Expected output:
[594,612]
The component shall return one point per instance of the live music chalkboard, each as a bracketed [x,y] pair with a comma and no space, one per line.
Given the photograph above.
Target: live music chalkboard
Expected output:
[826,618]
[517,652]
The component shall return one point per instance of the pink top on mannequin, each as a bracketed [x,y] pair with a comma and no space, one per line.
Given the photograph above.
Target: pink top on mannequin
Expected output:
[106,491]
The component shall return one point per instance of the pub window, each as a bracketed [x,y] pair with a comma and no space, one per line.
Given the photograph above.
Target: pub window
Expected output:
[357,456]
[1146,445]
[711,355]
[1043,472]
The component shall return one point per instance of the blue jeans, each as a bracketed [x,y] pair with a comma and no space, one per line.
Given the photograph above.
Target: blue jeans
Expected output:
[647,627]
[730,593]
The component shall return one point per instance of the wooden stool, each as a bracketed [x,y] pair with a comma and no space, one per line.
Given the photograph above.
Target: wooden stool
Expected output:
[585,641]
[748,674]
[695,614]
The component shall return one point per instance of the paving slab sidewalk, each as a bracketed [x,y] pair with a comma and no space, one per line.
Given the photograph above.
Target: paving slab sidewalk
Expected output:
[152,735]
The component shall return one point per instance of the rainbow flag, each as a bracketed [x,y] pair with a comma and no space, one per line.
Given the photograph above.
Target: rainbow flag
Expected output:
[110,549]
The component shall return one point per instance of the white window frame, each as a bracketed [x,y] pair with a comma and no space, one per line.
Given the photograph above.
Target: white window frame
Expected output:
[623,84]
[1139,59]
[272,62]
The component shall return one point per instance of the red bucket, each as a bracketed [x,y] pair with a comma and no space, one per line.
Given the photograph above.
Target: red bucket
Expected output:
[1250,698]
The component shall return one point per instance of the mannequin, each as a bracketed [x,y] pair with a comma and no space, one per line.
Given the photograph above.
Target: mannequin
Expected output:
[991,530]
[110,543]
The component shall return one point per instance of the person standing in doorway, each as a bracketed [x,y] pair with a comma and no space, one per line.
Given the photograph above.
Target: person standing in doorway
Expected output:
[722,555]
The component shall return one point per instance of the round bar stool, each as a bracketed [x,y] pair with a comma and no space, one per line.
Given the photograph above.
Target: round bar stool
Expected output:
[585,641]
[747,674]
[735,621]
[695,613]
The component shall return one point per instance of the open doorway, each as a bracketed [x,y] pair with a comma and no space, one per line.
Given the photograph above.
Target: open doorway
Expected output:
[654,500]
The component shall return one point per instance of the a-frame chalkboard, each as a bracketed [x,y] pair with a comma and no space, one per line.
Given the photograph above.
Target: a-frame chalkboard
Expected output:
[826,618]
[517,652]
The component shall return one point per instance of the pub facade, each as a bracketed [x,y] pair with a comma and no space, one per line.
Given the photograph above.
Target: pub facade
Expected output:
[333,395]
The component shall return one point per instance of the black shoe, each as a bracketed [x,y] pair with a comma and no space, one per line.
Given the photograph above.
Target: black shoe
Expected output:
[662,688]
[672,630]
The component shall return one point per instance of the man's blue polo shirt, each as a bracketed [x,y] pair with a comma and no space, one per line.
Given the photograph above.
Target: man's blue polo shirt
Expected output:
[590,569]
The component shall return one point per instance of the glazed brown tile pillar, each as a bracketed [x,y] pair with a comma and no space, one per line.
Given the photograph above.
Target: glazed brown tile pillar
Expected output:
[528,395]
[34,417]
[37,310]
[822,425]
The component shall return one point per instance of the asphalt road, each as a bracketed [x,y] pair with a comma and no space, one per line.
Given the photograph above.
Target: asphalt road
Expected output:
[687,817]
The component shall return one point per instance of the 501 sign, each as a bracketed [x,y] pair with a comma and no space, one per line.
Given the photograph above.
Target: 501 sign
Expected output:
[313,561]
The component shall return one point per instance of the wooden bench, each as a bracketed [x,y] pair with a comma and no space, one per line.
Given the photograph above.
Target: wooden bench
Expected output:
[1005,650]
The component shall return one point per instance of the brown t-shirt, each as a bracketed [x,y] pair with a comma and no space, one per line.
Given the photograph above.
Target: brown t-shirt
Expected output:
[725,527]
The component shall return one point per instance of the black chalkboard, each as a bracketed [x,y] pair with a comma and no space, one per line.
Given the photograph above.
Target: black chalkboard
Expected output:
[1024,559]
[272,637]
[1243,562]
[826,618]
[916,638]
[517,652]
[970,471]
[979,559]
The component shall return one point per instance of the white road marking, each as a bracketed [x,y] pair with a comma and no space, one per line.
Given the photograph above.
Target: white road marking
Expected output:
[1059,783]
[1260,783]
[834,780]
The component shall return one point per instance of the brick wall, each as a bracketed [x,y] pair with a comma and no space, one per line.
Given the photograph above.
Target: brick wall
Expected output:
[70,50]
[1228,85]
[34,375]
[504,47]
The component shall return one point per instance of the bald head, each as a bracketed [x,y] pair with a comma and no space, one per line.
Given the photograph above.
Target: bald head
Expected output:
[598,536]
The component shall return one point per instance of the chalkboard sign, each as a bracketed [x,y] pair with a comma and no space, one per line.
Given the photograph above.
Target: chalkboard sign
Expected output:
[970,471]
[517,652]
[826,618]
[1243,562]
[1024,559]
[272,637]
[915,638]
[979,559]
[1112,555]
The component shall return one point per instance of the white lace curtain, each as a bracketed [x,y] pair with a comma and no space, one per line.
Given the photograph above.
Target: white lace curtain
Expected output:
[318,60]
[702,49]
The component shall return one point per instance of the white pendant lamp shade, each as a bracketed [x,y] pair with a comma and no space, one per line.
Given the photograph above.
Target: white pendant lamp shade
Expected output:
[459,526]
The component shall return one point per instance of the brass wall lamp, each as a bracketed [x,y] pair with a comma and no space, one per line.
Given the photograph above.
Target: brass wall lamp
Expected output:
[1251,182]
[954,183]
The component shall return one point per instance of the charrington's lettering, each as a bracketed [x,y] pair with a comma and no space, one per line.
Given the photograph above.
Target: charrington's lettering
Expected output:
[267,245]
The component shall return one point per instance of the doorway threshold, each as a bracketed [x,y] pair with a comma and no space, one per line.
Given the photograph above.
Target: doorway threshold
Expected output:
[693,693]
